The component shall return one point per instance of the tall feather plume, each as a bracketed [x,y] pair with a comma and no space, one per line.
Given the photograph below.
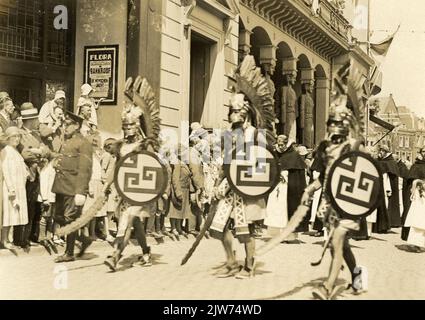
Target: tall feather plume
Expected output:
[254,85]
[143,97]
[348,87]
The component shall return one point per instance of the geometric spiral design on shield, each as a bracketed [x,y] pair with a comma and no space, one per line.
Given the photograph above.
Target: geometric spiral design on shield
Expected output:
[252,172]
[355,184]
[140,178]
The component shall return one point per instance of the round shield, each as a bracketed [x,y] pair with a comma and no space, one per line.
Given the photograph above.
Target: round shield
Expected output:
[140,178]
[354,184]
[252,172]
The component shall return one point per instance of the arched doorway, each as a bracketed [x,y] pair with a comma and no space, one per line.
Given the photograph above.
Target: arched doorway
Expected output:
[259,38]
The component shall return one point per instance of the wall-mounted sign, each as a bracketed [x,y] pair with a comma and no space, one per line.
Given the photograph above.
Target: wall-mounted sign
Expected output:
[101,72]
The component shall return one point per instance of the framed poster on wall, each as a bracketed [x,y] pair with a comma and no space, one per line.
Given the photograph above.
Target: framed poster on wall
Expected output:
[101,72]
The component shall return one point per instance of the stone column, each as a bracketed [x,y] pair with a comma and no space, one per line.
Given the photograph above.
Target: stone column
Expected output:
[289,105]
[307,107]
[322,107]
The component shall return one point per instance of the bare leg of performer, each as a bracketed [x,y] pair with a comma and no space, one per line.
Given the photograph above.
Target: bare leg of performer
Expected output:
[248,270]
[139,230]
[121,241]
[231,267]
[338,245]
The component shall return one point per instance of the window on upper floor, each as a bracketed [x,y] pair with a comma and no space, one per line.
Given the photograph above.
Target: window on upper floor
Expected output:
[406,142]
[27,31]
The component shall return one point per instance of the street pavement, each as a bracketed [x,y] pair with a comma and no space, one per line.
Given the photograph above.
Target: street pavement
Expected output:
[283,273]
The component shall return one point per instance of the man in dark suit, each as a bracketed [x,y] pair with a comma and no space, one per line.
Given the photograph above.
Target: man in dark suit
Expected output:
[71,185]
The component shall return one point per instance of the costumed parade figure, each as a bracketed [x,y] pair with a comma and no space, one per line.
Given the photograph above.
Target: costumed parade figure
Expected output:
[251,109]
[344,135]
[141,127]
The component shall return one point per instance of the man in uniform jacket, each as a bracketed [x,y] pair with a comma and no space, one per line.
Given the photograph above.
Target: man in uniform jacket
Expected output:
[71,185]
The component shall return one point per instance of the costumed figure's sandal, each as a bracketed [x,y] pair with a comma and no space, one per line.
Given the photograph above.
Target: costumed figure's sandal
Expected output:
[111,262]
[321,293]
[228,271]
[247,271]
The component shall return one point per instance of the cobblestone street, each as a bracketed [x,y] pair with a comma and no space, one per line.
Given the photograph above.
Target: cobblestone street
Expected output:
[283,273]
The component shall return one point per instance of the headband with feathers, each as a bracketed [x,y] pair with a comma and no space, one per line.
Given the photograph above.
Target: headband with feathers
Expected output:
[249,81]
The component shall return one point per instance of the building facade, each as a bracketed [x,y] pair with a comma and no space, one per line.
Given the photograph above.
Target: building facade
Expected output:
[407,138]
[187,49]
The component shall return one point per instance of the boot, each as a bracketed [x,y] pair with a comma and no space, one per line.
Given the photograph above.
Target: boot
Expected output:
[85,243]
[70,243]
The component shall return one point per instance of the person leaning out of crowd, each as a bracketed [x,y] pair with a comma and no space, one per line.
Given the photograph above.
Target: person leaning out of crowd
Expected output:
[89,127]
[51,130]
[47,110]
[86,99]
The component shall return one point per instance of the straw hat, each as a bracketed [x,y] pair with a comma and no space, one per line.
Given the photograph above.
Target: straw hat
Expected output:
[28,111]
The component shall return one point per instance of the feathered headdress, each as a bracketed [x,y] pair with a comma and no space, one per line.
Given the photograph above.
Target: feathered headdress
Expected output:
[145,108]
[249,81]
[347,99]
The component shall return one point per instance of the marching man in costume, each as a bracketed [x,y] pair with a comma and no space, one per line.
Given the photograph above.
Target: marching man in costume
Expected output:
[141,126]
[251,109]
[141,109]
[344,136]
[338,143]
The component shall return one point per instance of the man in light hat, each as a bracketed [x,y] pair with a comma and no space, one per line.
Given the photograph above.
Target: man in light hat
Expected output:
[47,110]
[71,184]
[6,111]
[86,99]
[33,152]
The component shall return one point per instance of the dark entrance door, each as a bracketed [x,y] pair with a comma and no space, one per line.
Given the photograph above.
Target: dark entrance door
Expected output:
[200,74]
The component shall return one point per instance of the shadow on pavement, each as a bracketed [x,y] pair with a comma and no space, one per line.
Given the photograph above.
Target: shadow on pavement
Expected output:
[311,284]
[373,238]
[409,248]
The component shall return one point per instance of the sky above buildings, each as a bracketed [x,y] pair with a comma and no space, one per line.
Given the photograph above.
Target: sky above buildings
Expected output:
[404,66]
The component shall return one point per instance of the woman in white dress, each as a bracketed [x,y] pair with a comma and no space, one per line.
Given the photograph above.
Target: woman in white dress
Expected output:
[414,221]
[416,216]
[15,174]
